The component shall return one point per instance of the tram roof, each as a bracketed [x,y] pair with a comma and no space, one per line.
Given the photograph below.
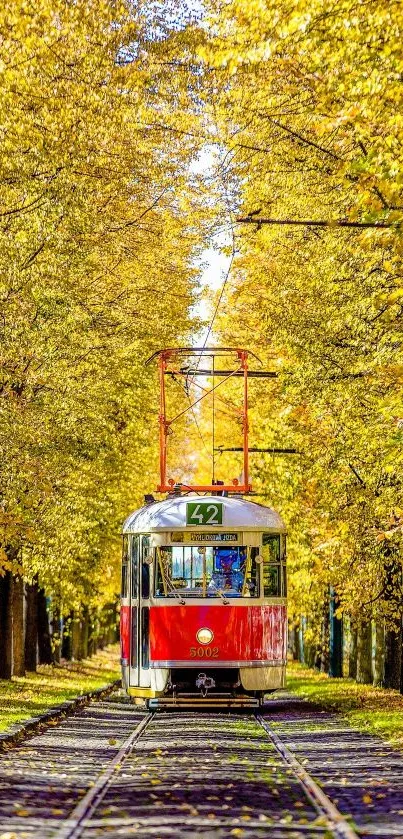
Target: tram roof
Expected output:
[170,514]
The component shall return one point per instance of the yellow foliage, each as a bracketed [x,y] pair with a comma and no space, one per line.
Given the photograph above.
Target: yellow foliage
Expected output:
[93,279]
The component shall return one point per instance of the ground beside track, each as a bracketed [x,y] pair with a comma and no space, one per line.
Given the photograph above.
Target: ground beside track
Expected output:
[25,697]
[192,775]
[373,709]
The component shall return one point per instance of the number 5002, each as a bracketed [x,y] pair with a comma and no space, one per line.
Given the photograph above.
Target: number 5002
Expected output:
[204,652]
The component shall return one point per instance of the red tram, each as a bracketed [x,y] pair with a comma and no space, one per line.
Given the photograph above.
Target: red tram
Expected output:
[204,609]
[203,614]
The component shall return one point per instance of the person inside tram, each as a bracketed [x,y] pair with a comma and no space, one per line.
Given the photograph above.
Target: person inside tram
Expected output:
[226,577]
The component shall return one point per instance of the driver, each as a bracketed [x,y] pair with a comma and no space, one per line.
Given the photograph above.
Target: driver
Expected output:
[226,577]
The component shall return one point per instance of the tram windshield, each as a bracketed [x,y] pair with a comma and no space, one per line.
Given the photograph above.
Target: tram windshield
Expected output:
[202,571]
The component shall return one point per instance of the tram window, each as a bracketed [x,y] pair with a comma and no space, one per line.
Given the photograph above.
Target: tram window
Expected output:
[206,571]
[125,559]
[135,565]
[271,548]
[271,565]
[145,569]
[271,580]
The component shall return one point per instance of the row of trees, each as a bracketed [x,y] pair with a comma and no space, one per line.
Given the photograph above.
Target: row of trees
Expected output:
[98,238]
[105,108]
[306,101]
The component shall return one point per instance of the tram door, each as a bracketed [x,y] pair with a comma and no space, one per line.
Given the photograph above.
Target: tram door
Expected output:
[140,611]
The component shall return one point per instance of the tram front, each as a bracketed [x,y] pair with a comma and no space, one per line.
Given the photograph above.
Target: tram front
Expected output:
[203,616]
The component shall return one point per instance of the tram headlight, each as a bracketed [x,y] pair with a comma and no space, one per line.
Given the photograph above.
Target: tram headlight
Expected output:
[204,635]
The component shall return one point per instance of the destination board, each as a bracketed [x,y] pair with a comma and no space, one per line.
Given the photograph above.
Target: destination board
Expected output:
[213,537]
[188,536]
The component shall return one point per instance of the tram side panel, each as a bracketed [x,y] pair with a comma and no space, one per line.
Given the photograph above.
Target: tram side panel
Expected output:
[125,613]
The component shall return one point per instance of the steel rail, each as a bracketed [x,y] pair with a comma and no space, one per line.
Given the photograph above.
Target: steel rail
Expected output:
[337,824]
[74,825]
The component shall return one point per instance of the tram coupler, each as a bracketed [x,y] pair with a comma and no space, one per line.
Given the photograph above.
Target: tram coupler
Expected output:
[204,683]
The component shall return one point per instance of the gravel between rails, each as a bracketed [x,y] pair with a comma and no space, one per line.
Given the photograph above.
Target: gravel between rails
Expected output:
[204,775]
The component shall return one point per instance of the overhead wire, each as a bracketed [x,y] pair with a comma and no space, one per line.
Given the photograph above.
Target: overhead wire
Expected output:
[189,383]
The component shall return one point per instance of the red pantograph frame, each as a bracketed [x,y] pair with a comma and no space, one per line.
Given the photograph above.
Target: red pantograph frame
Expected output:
[166,364]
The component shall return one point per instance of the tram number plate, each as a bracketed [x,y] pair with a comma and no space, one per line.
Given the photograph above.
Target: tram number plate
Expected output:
[204,652]
[199,513]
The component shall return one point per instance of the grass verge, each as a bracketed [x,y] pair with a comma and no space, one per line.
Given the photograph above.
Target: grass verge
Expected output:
[29,696]
[376,710]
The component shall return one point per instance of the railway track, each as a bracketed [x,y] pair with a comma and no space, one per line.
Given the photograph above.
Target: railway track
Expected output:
[336,822]
[320,819]
[186,774]
[75,824]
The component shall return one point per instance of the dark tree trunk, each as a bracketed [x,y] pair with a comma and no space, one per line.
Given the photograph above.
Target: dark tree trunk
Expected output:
[84,633]
[91,634]
[293,643]
[75,638]
[44,645]
[379,660]
[31,626]
[364,653]
[324,646]
[18,626]
[101,639]
[112,624]
[56,635]
[335,638]
[393,659]
[352,653]
[6,630]
[67,649]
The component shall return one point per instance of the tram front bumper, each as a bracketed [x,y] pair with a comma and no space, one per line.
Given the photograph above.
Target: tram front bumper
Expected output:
[212,701]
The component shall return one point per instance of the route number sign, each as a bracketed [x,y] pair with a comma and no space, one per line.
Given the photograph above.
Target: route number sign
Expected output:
[203,513]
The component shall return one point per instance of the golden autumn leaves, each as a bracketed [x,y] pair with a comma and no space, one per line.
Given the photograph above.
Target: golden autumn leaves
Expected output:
[105,106]
[308,102]
[92,282]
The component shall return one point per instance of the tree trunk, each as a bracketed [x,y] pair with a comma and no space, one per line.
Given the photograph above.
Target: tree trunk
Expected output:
[6,630]
[67,648]
[301,641]
[18,625]
[75,638]
[364,653]
[44,645]
[393,659]
[324,647]
[91,635]
[379,660]
[352,653]
[292,640]
[84,633]
[31,626]
[335,638]
[56,635]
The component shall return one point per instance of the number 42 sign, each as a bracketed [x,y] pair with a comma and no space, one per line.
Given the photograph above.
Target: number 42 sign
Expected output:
[207,513]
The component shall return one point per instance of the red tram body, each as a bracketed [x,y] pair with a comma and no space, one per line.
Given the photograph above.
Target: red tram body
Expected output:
[204,609]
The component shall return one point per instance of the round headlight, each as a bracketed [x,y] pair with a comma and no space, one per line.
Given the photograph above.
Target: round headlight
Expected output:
[204,635]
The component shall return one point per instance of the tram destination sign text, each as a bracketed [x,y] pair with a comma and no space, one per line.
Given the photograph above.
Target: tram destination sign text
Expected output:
[188,536]
[198,513]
